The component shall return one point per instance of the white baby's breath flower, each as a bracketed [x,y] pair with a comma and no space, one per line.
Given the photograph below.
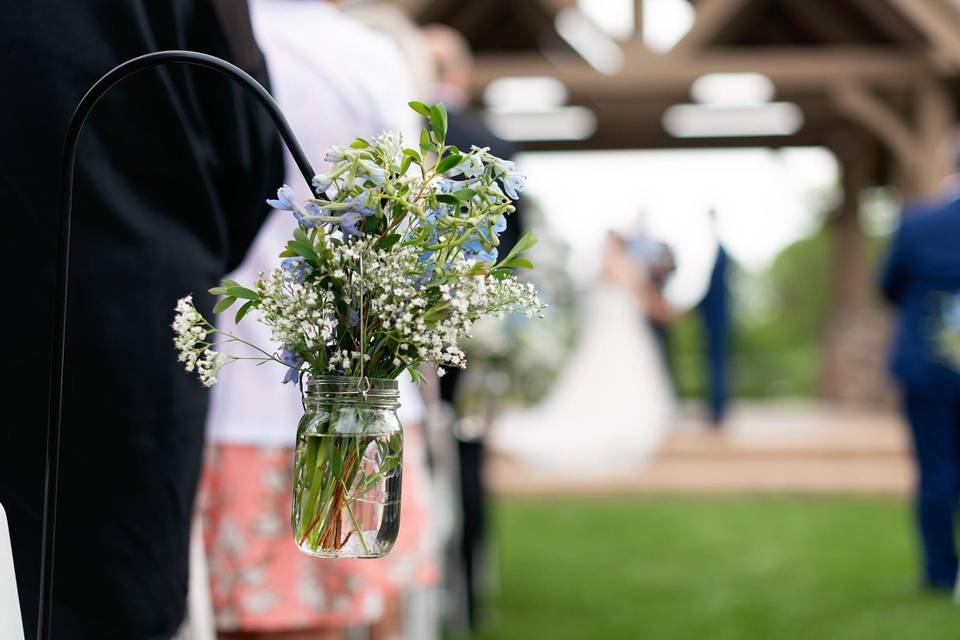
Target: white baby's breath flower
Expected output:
[191,331]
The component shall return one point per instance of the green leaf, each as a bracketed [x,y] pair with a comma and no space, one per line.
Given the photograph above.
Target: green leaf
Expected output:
[217,291]
[359,143]
[286,253]
[303,250]
[525,243]
[242,311]
[420,108]
[416,376]
[447,198]
[449,162]
[372,225]
[425,144]
[405,164]
[413,155]
[438,121]
[464,195]
[224,304]
[300,236]
[479,269]
[389,464]
[387,243]
[243,292]
[336,461]
[522,263]
[226,282]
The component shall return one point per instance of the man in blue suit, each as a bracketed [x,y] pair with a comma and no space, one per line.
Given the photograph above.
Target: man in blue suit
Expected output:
[922,271]
[715,310]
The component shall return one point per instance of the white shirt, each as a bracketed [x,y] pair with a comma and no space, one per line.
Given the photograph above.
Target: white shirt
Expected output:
[335,79]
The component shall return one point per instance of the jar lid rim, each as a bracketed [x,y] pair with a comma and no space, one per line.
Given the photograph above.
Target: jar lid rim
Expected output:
[351,385]
[382,382]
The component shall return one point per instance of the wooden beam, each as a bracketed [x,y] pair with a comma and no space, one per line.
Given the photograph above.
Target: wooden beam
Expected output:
[884,16]
[412,7]
[939,21]
[638,22]
[712,17]
[553,6]
[788,68]
[866,109]
[821,19]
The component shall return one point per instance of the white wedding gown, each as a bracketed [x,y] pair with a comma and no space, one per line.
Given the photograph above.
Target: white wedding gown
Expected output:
[610,407]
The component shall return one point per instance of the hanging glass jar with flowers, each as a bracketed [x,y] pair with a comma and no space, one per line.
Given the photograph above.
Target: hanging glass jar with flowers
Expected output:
[948,333]
[389,267]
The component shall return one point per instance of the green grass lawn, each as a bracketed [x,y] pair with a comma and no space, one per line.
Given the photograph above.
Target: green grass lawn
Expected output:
[711,569]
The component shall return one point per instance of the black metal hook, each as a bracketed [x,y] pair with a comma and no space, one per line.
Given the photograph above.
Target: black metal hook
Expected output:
[89,100]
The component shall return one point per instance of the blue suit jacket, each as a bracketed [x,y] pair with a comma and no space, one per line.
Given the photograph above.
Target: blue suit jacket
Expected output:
[922,268]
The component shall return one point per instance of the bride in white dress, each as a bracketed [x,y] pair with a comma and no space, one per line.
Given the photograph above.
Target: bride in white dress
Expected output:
[612,405]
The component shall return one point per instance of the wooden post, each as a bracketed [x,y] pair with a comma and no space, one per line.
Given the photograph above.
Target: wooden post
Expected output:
[933,119]
[857,331]
[851,287]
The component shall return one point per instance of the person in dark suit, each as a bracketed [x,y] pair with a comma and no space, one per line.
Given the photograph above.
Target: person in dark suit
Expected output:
[172,172]
[923,268]
[715,311]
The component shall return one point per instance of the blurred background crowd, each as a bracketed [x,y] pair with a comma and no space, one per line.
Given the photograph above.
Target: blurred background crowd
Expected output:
[700,439]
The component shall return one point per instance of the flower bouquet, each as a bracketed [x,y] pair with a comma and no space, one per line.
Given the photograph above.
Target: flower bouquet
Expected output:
[388,267]
[949,333]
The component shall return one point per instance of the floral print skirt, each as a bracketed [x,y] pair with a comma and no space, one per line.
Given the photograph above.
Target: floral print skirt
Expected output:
[260,581]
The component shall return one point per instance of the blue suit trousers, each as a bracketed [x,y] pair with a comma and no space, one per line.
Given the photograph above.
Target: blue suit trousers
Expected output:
[934,419]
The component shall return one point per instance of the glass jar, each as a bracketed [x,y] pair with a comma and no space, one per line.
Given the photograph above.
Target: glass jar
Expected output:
[347,469]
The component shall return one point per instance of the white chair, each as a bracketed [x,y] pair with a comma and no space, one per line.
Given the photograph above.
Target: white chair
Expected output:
[199,624]
[11,626]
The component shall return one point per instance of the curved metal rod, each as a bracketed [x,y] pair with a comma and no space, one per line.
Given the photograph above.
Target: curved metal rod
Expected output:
[71,141]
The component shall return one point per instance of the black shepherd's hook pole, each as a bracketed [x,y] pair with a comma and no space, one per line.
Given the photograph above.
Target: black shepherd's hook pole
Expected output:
[115,75]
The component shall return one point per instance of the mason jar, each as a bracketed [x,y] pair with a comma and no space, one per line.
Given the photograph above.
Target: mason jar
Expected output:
[347,468]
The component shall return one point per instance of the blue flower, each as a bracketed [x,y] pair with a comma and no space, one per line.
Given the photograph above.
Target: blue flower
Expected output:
[376,174]
[474,249]
[308,215]
[296,269]
[434,215]
[286,200]
[350,224]
[359,203]
[292,360]
[335,154]
[471,166]
[500,225]
[446,186]
[514,183]
[432,218]
[951,315]
[322,182]
[360,209]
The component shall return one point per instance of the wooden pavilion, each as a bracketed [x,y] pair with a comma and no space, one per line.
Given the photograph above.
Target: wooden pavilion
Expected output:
[878,83]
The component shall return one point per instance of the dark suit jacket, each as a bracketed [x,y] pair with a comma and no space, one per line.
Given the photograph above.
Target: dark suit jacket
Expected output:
[715,303]
[173,169]
[923,266]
